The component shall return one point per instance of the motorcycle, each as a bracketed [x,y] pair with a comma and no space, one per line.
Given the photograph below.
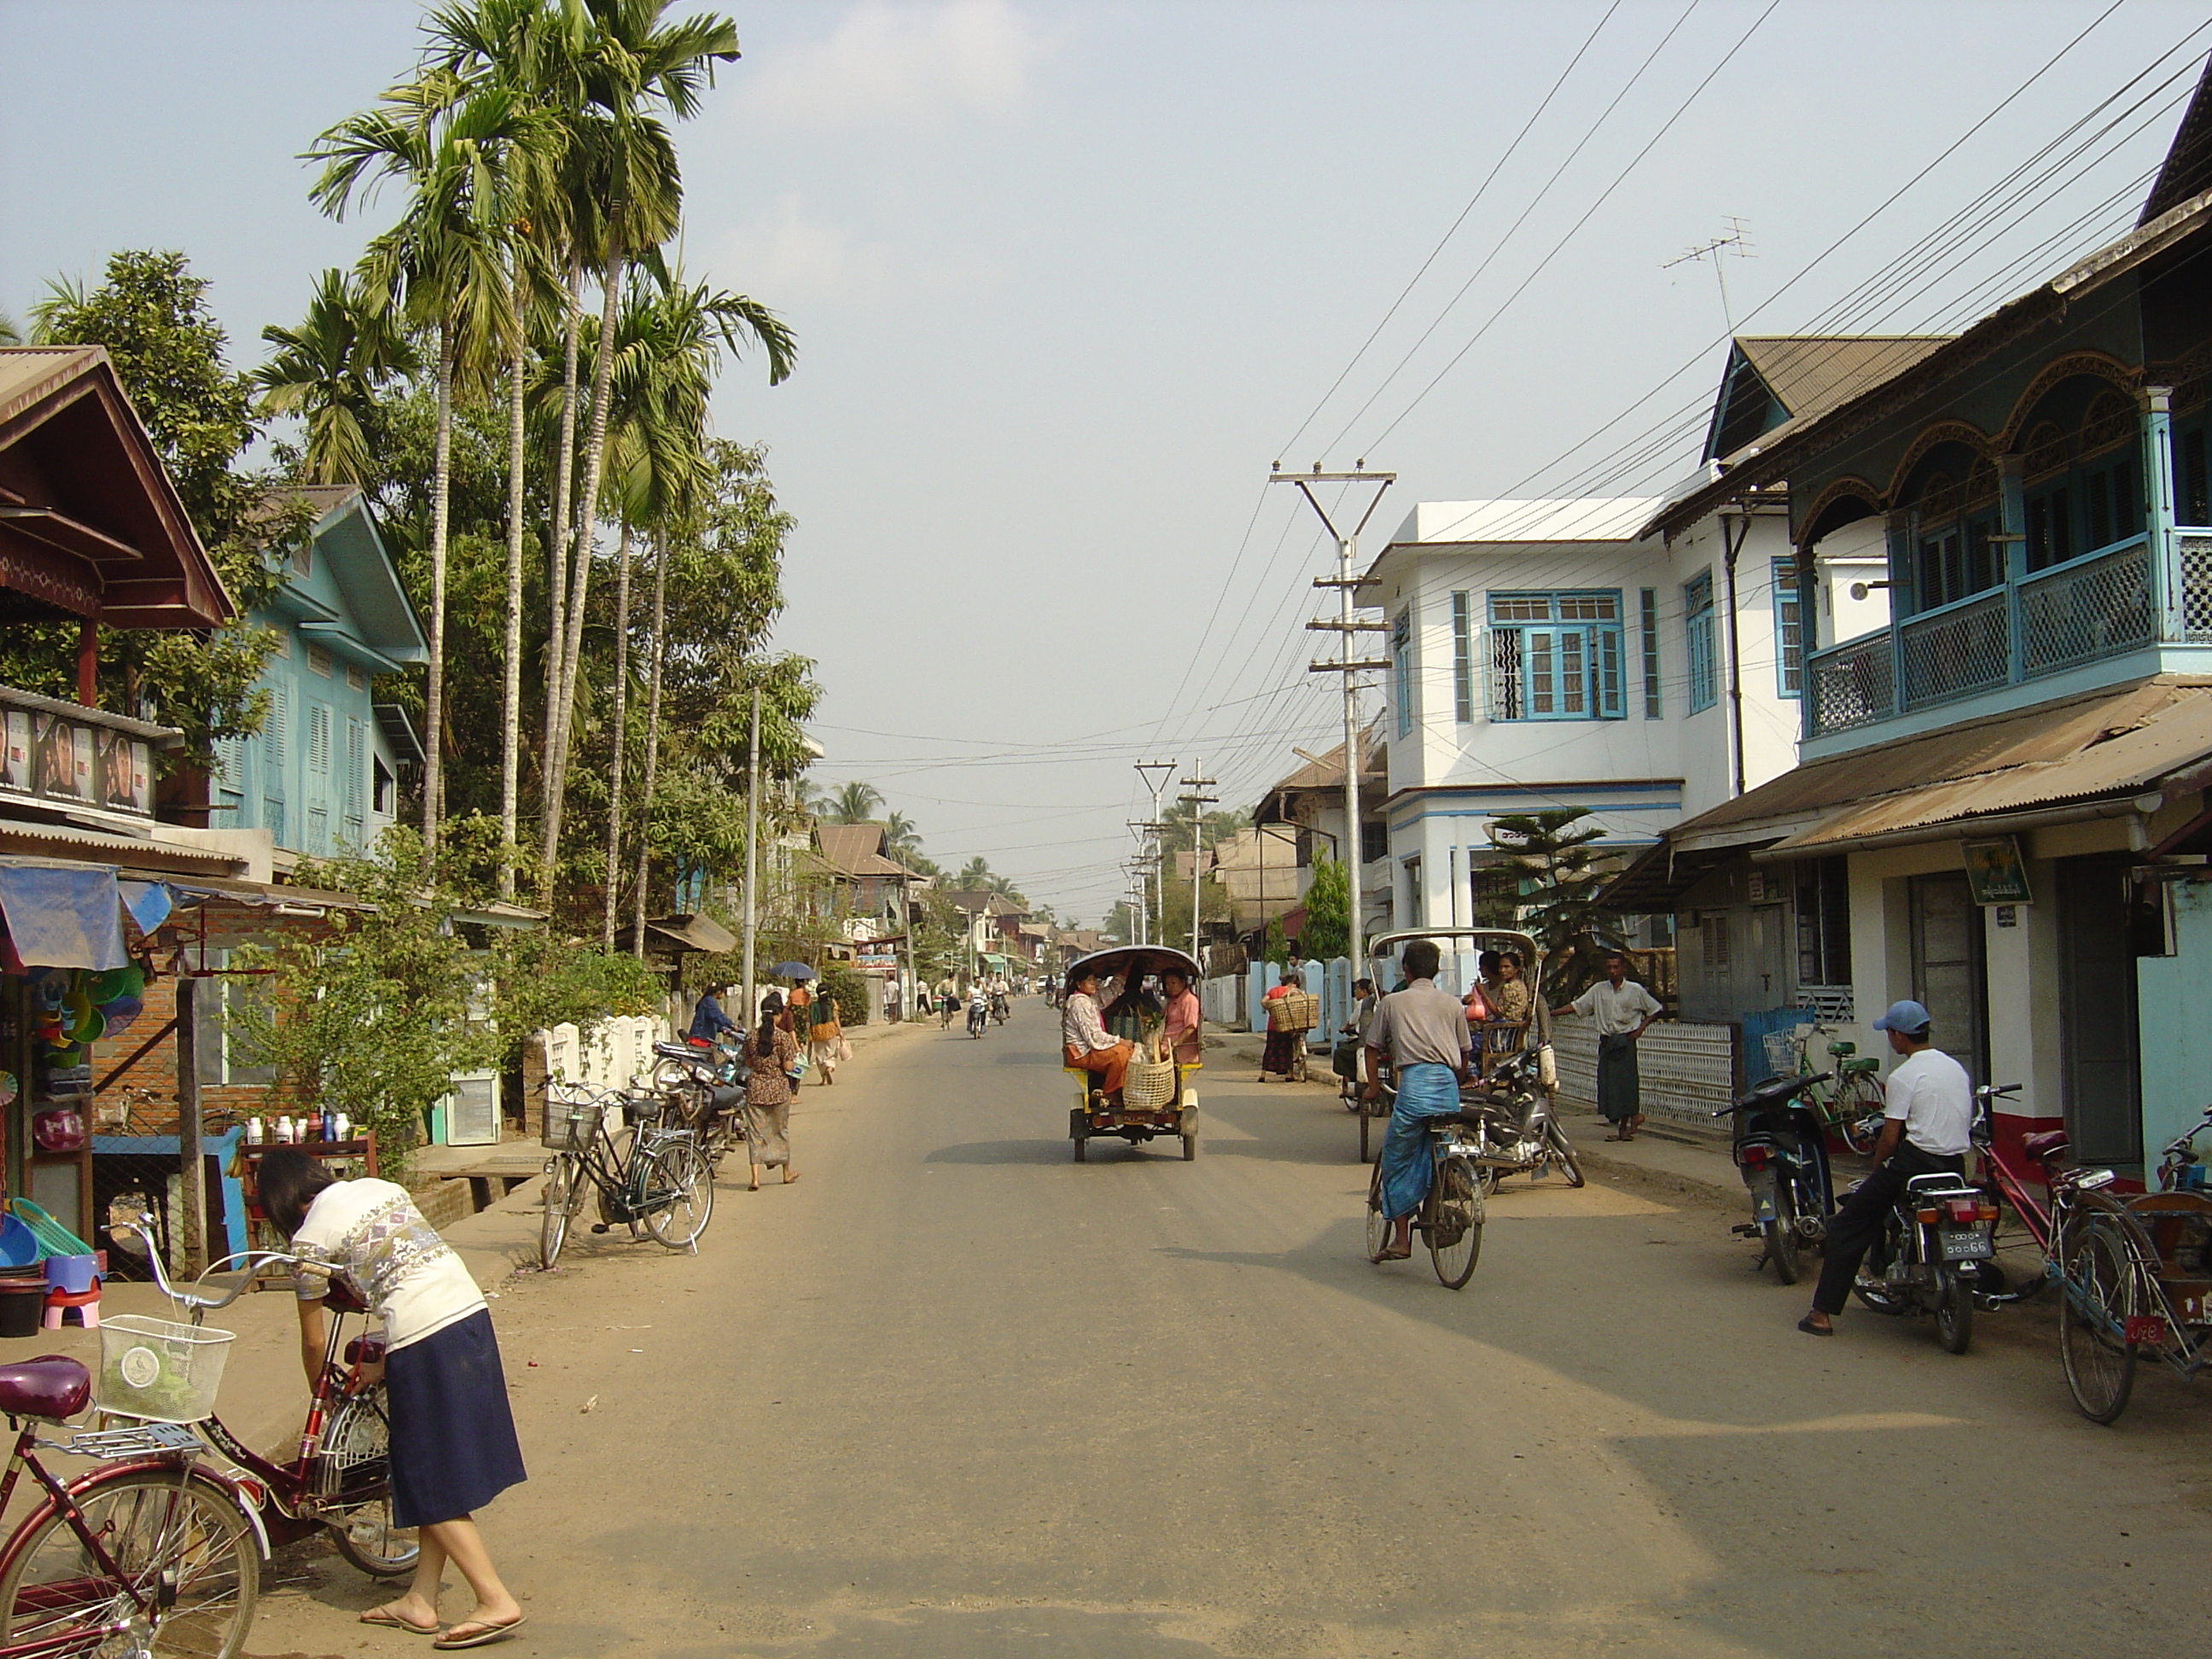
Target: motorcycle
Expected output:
[977,1015]
[1781,1151]
[1928,1257]
[1514,1131]
[999,1009]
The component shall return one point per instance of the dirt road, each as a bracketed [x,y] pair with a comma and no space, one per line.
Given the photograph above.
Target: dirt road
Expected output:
[952,1394]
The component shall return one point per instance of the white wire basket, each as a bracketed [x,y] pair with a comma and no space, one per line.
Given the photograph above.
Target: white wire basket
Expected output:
[159,1369]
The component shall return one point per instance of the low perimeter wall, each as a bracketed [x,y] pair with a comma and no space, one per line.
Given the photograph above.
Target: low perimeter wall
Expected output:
[1687,1072]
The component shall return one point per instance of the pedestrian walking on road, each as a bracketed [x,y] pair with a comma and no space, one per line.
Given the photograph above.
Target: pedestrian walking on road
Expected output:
[825,1039]
[1622,1009]
[452,1444]
[1284,1056]
[1423,1031]
[1928,1121]
[771,1051]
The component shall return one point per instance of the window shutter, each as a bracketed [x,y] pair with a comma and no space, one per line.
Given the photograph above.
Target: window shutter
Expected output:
[273,727]
[1609,706]
[1462,661]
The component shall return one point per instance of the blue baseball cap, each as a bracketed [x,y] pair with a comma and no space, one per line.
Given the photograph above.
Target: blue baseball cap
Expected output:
[1908,1017]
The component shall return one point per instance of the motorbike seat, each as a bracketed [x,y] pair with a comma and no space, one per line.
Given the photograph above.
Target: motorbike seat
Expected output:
[1775,1088]
[50,1387]
[685,1051]
[724,1097]
[2047,1145]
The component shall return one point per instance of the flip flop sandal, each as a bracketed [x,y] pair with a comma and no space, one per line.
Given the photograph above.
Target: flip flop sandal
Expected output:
[384,1621]
[1620,1137]
[481,1633]
[1807,1326]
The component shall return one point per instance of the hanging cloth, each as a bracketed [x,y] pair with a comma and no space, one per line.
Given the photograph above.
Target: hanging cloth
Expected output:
[62,915]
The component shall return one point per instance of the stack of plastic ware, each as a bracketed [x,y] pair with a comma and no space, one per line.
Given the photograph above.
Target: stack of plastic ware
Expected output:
[73,1281]
[22,1280]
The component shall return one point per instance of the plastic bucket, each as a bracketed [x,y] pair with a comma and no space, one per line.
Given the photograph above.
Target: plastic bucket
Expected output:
[73,1274]
[19,1246]
[22,1304]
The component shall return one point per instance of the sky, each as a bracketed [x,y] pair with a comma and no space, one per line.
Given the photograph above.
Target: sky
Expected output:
[1066,279]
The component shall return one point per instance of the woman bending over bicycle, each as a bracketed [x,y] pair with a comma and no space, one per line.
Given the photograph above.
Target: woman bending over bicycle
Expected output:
[453,1448]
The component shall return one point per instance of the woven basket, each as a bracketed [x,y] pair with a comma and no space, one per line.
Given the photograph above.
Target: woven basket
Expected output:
[1148,1086]
[1294,1011]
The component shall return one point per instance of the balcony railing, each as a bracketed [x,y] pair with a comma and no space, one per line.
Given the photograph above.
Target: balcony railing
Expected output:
[2099,606]
[66,754]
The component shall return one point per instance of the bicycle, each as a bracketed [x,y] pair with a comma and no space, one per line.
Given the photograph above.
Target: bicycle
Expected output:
[1451,1214]
[340,1479]
[704,1087]
[659,1180]
[1854,1104]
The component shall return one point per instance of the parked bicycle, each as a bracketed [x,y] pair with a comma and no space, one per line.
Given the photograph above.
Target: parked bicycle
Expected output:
[1451,1214]
[339,1481]
[1847,1095]
[655,1180]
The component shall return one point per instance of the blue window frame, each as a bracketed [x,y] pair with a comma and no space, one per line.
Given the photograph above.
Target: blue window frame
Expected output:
[1462,659]
[1556,656]
[1698,641]
[1402,670]
[1789,631]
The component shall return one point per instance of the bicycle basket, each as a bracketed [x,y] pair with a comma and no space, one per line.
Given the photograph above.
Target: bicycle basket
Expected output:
[159,1369]
[566,1108]
[1781,1052]
[1148,1086]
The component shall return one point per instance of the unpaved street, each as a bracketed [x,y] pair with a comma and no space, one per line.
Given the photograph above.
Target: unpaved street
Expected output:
[952,1394]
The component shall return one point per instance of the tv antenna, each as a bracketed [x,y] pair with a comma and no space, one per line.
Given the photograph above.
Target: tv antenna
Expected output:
[1735,242]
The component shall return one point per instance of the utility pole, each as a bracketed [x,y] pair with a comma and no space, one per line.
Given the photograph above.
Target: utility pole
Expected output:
[1145,770]
[752,860]
[1198,783]
[1346,581]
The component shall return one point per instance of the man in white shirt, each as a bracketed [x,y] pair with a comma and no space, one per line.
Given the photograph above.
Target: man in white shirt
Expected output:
[1927,1126]
[1622,1009]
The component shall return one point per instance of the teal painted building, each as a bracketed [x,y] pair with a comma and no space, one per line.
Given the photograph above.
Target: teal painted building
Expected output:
[323,773]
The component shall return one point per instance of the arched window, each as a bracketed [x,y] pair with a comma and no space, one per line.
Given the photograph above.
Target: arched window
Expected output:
[2082,474]
[1952,518]
[2112,498]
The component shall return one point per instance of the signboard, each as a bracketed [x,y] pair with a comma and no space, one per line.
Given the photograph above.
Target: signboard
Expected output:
[1995,872]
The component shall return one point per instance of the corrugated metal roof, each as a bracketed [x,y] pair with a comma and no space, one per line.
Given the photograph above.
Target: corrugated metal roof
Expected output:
[1811,373]
[2115,742]
[145,855]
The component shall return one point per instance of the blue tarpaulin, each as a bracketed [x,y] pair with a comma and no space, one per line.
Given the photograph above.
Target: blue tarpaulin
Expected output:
[62,915]
[148,902]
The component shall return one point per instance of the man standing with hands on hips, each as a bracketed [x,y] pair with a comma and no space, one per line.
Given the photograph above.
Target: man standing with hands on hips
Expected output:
[1623,1008]
[1927,1126]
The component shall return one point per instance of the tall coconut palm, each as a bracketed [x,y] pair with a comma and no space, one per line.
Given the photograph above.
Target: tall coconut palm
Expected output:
[327,370]
[855,802]
[444,265]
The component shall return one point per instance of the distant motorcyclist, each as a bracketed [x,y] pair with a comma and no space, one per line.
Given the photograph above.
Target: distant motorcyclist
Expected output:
[979,1009]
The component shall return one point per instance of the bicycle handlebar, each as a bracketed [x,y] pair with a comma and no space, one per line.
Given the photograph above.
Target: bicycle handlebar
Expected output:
[197,1301]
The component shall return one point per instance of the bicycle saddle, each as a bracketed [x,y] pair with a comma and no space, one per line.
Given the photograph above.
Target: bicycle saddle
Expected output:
[50,1386]
[2047,1144]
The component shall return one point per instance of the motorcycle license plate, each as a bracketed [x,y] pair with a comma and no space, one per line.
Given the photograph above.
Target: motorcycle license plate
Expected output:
[1762,1199]
[1966,1244]
[2146,1330]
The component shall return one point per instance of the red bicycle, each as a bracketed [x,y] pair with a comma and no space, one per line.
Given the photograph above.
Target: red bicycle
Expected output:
[339,1481]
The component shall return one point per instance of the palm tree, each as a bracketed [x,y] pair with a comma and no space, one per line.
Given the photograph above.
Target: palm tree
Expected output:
[900,836]
[975,874]
[327,371]
[635,65]
[443,265]
[855,802]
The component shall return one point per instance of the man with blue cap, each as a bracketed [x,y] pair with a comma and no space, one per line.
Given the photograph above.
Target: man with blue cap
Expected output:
[1926,1129]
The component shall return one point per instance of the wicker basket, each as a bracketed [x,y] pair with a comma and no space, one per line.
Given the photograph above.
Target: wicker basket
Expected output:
[1149,1085]
[1294,1011]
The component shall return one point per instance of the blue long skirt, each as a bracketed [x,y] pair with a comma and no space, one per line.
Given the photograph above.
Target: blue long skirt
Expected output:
[1425,1091]
[453,1448]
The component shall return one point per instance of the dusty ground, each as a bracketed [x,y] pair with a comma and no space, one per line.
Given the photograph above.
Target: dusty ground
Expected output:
[951,1395]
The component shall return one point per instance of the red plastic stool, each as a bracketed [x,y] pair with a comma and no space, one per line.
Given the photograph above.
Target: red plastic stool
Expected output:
[87,1304]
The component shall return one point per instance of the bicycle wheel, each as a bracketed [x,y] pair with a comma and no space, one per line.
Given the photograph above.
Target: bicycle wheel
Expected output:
[1859,1099]
[1378,1225]
[2099,1297]
[1454,1222]
[679,1194]
[559,1199]
[352,1476]
[1563,1154]
[185,1544]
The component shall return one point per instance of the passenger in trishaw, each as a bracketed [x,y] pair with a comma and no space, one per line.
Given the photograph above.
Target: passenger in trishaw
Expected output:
[1179,1027]
[1086,1043]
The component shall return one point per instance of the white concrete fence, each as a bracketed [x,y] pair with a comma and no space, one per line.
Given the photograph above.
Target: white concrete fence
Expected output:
[1685,1070]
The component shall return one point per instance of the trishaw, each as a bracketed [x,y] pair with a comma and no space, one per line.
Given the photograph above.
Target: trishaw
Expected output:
[1157,1098]
[1501,1040]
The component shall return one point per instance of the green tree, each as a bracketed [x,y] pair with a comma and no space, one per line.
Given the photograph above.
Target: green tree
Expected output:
[1561,875]
[1328,930]
[152,315]
[327,371]
[855,802]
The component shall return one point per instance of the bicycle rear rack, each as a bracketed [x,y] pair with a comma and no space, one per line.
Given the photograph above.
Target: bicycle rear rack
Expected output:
[135,1440]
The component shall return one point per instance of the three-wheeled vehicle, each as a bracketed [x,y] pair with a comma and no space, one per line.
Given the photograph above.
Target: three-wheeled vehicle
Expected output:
[1501,1040]
[1157,1099]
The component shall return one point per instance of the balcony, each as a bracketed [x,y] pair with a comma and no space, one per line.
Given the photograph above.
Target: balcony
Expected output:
[65,755]
[2097,608]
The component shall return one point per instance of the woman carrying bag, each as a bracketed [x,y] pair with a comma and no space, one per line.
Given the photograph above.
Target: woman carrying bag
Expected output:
[825,1037]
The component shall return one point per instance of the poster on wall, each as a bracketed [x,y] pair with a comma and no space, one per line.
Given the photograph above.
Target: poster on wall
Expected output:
[1995,872]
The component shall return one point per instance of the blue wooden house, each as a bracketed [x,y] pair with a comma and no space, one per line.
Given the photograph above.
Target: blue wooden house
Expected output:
[322,775]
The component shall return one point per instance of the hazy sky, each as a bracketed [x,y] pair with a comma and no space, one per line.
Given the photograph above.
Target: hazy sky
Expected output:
[1066,278]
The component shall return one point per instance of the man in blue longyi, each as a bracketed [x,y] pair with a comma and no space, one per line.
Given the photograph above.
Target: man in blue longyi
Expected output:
[1423,1031]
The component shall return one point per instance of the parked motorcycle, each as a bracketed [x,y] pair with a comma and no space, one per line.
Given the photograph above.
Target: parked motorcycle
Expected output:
[1928,1257]
[1515,1130]
[1781,1151]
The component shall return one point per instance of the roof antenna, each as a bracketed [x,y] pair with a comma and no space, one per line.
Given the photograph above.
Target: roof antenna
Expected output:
[1734,239]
